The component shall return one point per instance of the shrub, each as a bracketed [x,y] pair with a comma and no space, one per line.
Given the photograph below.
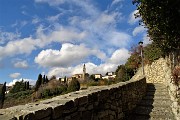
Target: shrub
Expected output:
[74,85]
[92,83]
[176,75]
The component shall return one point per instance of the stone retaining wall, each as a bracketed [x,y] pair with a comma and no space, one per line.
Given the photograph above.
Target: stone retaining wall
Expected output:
[160,72]
[112,102]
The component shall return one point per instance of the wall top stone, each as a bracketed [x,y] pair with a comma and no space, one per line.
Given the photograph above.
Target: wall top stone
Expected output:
[45,108]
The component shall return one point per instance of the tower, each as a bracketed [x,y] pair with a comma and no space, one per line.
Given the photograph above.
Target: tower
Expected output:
[84,72]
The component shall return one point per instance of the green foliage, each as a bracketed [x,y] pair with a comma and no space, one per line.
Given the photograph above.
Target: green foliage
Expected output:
[74,85]
[92,77]
[38,82]
[134,60]
[123,73]
[19,86]
[92,83]
[161,17]
[12,99]
[2,94]
[176,75]
[152,52]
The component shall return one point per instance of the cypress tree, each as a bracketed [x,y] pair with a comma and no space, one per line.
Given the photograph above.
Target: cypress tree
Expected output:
[27,85]
[44,79]
[38,82]
[2,95]
[47,79]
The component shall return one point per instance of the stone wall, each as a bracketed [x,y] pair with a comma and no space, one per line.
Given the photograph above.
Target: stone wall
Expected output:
[160,72]
[112,102]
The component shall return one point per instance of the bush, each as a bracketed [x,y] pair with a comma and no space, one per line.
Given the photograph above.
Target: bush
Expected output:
[92,83]
[175,75]
[74,85]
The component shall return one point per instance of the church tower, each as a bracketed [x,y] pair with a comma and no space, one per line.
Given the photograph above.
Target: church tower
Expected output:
[84,72]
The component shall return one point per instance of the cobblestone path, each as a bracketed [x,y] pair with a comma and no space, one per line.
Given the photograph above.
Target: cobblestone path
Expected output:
[156,105]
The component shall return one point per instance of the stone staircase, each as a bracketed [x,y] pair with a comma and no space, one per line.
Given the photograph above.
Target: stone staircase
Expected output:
[156,105]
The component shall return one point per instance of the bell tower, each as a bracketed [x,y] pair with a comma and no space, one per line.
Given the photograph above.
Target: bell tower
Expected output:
[84,72]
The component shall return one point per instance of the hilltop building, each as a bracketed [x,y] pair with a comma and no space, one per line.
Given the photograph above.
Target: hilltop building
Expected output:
[109,75]
[81,77]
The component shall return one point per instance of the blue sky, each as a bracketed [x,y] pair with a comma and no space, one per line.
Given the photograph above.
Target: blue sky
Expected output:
[56,37]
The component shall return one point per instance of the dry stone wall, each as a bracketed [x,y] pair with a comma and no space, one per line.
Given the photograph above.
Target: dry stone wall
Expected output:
[112,102]
[160,72]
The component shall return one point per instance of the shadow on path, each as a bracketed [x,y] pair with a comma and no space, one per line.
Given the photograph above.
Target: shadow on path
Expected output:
[155,105]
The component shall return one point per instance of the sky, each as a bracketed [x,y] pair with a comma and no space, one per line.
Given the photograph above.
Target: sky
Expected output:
[56,37]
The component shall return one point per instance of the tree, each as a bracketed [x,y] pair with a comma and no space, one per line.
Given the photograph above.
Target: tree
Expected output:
[2,94]
[123,73]
[92,77]
[18,86]
[74,85]
[46,79]
[38,82]
[161,17]
[134,60]
[152,52]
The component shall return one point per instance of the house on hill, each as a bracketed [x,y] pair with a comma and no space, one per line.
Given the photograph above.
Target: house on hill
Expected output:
[109,75]
[80,77]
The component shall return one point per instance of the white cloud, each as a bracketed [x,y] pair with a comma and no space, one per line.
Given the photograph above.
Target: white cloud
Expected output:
[8,36]
[91,68]
[15,75]
[118,39]
[132,20]
[21,46]
[138,30]
[119,56]
[53,18]
[21,64]
[146,40]
[51,2]
[59,34]
[31,82]
[115,2]
[69,54]
[35,20]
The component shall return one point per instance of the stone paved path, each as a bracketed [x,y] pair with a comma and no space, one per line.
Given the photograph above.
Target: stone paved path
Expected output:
[155,105]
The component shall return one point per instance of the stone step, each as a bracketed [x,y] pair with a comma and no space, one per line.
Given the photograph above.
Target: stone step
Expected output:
[156,105]
[153,111]
[151,97]
[147,117]
[157,102]
[156,88]
[156,93]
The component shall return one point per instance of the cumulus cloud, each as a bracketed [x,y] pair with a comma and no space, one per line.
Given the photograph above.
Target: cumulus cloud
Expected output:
[69,54]
[132,20]
[15,75]
[21,64]
[138,30]
[21,46]
[119,56]
[31,82]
